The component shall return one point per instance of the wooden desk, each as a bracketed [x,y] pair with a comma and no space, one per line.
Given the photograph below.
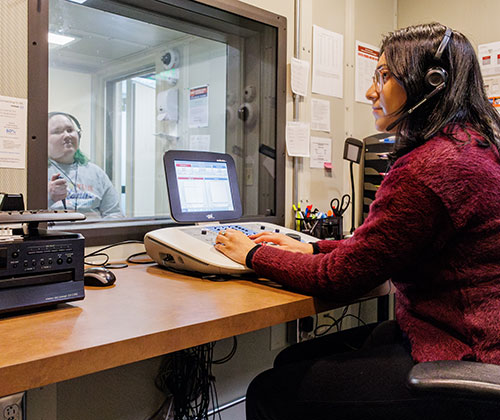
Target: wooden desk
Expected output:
[147,313]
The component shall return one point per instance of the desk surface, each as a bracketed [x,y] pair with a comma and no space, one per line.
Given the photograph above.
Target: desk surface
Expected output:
[147,313]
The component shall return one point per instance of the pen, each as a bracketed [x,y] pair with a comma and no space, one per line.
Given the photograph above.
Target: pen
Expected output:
[297,214]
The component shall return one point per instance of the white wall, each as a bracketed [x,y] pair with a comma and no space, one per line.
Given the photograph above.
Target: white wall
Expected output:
[477,20]
[73,96]
[363,20]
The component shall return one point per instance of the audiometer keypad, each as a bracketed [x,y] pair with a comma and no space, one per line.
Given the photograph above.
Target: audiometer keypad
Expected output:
[209,233]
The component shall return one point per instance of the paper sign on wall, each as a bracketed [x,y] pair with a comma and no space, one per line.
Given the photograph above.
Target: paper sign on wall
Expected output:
[299,76]
[320,115]
[366,62]
[489,58]
[198,107]
[328,62]
[321,152]
[297,139]
[13,128]
[200,142]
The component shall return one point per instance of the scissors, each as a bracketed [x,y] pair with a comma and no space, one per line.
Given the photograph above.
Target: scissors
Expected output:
[340,206]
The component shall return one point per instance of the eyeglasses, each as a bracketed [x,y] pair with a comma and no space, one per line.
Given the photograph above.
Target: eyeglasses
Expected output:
[381,75]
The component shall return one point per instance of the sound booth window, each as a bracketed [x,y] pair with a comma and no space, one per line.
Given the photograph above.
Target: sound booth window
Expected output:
[128,83]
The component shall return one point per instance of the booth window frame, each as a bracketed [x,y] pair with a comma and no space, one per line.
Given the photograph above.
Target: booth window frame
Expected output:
[104,232]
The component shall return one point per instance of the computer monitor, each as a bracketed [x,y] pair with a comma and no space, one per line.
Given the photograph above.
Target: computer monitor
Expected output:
[202,186]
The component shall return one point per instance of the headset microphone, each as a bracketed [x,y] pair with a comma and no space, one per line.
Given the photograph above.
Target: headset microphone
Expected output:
[436,90]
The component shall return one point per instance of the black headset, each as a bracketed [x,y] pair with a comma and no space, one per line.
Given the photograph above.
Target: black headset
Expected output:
[435,78]
[437,75]
[73,119]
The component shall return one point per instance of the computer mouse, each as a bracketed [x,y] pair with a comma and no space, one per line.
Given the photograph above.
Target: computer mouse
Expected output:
[98,276]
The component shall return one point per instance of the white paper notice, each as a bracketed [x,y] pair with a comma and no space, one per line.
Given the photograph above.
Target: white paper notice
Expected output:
[320,115]
[198,107]
[321,152]
[300,76]
[297,139]
[366,63]
[489,58]
[13,127]
[200,142]
[328,62]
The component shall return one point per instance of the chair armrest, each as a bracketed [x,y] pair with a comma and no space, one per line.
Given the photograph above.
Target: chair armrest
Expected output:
[471,379]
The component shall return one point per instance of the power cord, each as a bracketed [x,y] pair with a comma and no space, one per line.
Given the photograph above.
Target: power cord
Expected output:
[336,323]
[131,259]
[99,253]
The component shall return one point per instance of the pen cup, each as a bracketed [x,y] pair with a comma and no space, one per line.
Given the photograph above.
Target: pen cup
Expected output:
[323,228]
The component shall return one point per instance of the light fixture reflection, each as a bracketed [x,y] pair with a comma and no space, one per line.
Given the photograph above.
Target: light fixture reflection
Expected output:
[58,39]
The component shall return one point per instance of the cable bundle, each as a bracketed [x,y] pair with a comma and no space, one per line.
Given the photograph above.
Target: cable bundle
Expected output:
[186,378]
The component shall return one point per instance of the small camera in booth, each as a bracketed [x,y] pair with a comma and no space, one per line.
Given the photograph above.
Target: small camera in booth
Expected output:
[170,59]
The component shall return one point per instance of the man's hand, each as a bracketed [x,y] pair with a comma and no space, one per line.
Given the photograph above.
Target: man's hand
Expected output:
[57,188]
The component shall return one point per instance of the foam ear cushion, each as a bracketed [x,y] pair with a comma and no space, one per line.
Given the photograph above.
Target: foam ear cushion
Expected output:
[435,76]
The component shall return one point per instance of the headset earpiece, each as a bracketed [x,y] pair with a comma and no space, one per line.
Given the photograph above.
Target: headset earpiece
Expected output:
[435,76]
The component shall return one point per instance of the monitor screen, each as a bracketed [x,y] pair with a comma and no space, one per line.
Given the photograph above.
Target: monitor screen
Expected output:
[202,186]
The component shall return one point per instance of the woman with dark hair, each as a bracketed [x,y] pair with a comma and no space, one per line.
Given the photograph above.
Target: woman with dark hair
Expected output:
[433,228]
[74,182]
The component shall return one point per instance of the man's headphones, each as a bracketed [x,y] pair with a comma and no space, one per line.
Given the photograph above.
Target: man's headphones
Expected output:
[435,78]
[73,119]
[437,75]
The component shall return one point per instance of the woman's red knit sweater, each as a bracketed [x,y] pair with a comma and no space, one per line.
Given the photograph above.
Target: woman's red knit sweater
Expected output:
[434,229]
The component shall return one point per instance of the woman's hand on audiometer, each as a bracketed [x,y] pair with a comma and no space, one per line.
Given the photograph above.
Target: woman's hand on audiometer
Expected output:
[283,242]
[234,244]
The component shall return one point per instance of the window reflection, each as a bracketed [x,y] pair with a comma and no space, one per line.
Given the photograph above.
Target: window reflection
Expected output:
[139,89]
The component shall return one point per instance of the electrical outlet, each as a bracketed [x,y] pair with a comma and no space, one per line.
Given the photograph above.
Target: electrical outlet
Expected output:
[11,407]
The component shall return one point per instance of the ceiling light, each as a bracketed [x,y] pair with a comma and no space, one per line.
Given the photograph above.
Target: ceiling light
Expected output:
[78,1]
[58,39]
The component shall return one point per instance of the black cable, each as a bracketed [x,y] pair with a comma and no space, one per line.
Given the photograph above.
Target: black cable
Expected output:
[218,277]
[130,259]
[99,253]
[353,208]
[186,377]
[230,355]
[336,323]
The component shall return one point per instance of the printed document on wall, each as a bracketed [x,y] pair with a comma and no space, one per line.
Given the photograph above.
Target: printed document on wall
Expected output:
[320,115]
[321,152]
[300,76]
[198,107]
[200,142]
[489,58]
[366,63]
[328,62]
[13,128]
[297,139]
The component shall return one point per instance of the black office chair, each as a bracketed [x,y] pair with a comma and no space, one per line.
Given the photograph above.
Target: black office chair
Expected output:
[472,382]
